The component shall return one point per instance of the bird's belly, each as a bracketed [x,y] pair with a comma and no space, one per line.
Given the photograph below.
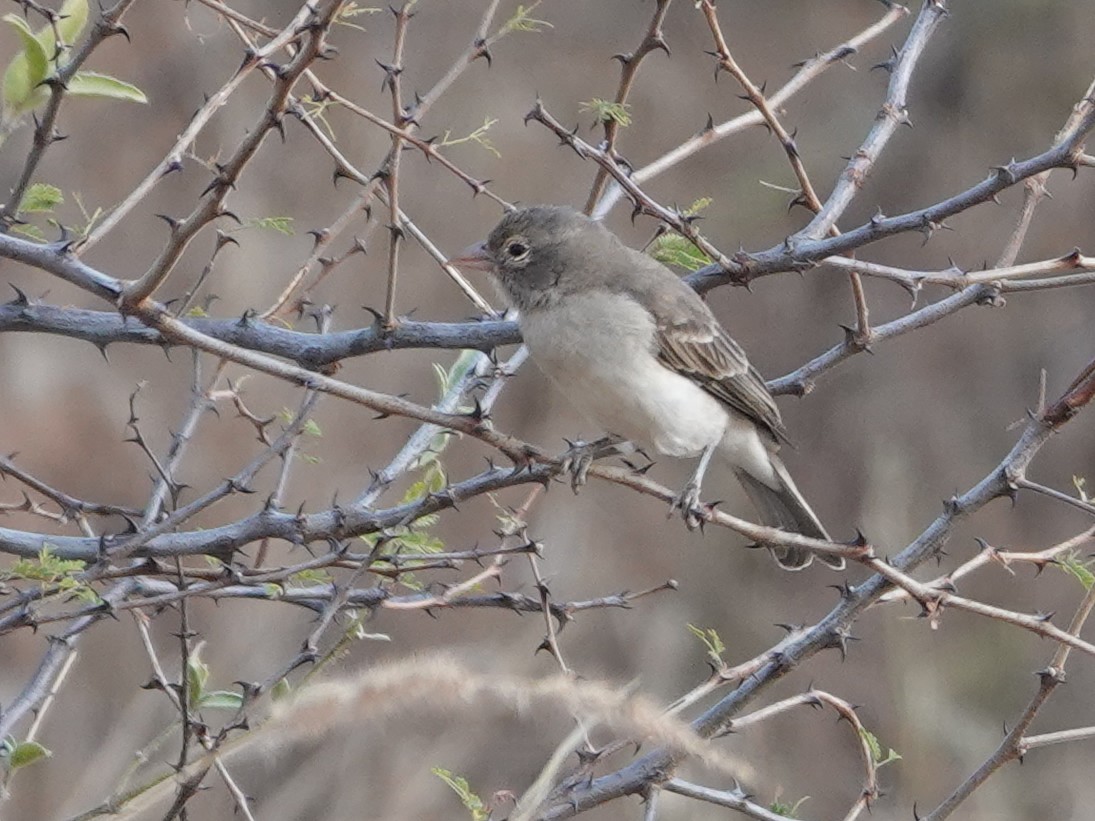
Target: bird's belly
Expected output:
[615,381]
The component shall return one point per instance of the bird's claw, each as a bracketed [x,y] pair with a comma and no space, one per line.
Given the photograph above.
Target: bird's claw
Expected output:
[576,462]
[692,510]
[581,455]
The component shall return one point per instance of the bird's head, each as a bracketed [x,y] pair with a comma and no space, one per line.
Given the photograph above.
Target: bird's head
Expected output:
[535,252]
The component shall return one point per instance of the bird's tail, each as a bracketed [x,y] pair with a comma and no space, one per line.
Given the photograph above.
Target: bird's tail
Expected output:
[783,507]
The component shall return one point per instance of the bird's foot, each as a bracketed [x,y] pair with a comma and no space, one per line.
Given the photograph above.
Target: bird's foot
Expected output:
[580,455]
[694,512]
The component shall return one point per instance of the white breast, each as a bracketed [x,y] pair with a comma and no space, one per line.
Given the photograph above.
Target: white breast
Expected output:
[597,349]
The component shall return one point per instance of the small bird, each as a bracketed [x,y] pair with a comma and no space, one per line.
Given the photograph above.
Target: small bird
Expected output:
[641,355]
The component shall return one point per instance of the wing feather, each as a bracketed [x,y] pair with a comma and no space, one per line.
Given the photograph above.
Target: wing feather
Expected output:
[705,353]
[690,340]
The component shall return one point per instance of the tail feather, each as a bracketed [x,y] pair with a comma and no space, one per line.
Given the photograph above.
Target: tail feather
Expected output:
[783,507]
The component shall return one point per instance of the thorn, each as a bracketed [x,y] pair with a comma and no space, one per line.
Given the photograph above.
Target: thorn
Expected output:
[20,297]
[481,50]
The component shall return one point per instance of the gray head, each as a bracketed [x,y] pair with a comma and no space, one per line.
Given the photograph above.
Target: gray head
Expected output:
[542,252]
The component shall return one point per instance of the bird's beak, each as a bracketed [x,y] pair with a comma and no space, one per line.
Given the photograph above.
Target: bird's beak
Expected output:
[475,256]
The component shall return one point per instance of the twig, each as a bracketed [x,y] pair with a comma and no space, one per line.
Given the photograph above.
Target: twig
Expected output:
[310,25]
[653,39]
[807,196]
[173,160]
[733,799]
[1006,558]
[894,112]
[808,70]
[69,505]
[1012,747]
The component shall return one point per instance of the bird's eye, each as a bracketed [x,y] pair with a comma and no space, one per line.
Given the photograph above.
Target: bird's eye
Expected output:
[517,249]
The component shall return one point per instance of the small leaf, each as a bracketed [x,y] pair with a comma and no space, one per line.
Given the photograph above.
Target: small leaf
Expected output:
[282,689]
[459,785]
[73,19]
[673,249]
[876,749]
[92,84]
[311,428]
[197,674]
[522,21]
[1081,570]
[41,199]
[607,111]
[221,700]
[711,641]
[26,752]
[27,69]
[283,225]
[787,810]
[872,743]
[31,231]
[309,577]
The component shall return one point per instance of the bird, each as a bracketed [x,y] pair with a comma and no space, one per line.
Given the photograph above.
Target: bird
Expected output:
[641,355]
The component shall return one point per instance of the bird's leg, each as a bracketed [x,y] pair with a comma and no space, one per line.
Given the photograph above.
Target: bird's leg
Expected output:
[688,500]
[581,455]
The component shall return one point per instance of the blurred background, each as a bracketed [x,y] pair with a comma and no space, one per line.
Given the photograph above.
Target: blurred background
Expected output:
[881,441]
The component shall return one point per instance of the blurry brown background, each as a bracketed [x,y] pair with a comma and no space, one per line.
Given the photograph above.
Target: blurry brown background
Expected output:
[881,441]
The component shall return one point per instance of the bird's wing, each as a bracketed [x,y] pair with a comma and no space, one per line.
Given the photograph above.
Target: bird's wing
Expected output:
[693,343]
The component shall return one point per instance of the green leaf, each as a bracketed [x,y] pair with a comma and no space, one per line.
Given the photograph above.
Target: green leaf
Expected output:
[876,749]
[26,752]
[197,675]
[432,481]
[522,21]
[479,136]
[787,810]
[311,428]
[459,785]
[606,111]
[41,199]
[73,19]
[31,231]
[221,700]
[282,689]
[47,568]
[711,641]
[673,249]
[283,225]
[27,69]
[1075,566]
[309,577]
[92,84]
